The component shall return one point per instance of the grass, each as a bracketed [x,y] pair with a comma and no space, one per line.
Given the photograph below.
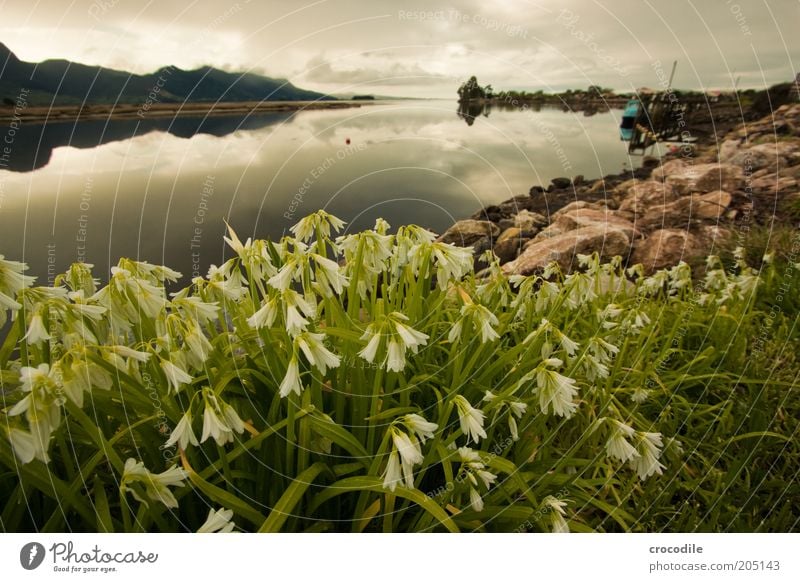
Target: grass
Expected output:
[372,383]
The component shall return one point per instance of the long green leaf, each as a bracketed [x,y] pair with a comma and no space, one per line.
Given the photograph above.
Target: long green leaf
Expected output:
[227,499]
[375,485]
[291,498]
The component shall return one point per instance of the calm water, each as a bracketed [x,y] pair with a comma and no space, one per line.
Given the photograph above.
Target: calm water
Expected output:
[159,190]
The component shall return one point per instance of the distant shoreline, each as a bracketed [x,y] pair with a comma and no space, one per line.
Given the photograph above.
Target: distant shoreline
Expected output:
[58,113]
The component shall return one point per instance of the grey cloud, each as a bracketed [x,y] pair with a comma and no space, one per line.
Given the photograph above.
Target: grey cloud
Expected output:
[512,44]
[320,70]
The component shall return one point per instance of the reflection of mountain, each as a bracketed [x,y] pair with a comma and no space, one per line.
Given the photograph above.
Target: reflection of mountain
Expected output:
[61,82]
[34,144]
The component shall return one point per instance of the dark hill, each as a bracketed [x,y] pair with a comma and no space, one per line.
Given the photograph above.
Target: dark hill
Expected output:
[61,82]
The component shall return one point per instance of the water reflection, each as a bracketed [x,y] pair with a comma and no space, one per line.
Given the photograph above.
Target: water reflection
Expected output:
[470,110]
[34,143]
[161,198]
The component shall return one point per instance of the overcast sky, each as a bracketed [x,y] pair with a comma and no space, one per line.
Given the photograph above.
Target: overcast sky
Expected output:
[425,49]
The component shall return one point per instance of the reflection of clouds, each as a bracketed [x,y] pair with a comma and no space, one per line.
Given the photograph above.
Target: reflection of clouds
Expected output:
[419,163]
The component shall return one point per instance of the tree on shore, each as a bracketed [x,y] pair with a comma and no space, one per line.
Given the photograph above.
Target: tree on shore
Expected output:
[472,90]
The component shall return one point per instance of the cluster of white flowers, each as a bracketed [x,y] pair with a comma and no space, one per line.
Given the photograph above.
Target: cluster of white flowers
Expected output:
[367,255]
[470,419]
[392,337]
[12,281]
[643,455]
[514,408]
[146,486]
[474,471]
[479,318]
[598,356]
[556,392]
[42,408]
[294,309]
[554,511]
[220,420]
[218,521]
[407,436]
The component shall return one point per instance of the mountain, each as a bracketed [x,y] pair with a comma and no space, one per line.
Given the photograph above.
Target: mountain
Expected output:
[61,82]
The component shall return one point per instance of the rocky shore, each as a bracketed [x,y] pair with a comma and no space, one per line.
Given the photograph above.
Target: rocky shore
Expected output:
[693,202]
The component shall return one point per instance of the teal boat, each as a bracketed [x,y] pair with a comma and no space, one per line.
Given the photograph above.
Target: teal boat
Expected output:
[629,116]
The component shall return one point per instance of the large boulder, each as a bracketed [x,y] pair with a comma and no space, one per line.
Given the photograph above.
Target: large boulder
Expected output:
[586,216]
[765,155]
[710,206]
[646,194]
[666,248]
[728,149]
[528,221]
[682,212]
[706,178]
[771,184]
[669,168]
[563,248]
[578,205]
[466,233]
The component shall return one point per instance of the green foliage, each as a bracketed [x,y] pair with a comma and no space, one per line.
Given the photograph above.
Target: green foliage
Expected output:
[372,382]
[471,90]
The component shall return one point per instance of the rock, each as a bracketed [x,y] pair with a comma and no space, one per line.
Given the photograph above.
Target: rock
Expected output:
[578,180]
[589,216]
[578,205]
[505,224]
[646,194]
[507,250]
[479,246]
[509,233]
[642,173]
[597,187]
[728,149]
[465,233]
[515,205]
[713,238]
[529,221]
[791,172]
[784,127]
[650,162]
[706,178]
[668,168]
[710,206]
[755,157]
[564,247]
[561,183]
[490,213]
[621,190]
[771,184]
[665,248]
[680,213]
[535,191]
